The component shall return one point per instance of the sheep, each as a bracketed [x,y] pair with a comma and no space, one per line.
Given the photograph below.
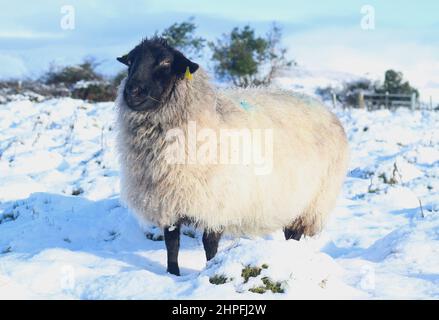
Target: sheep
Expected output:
[165,91]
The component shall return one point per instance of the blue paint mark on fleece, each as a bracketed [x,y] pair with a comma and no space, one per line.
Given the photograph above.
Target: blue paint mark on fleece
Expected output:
[245,105]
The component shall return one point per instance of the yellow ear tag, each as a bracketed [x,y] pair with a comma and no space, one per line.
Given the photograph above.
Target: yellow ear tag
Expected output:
[188,74]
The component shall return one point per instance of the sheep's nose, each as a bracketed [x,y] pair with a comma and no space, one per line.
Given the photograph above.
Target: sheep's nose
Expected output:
[134,90]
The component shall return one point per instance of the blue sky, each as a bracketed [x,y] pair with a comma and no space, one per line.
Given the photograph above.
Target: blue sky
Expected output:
[319,34]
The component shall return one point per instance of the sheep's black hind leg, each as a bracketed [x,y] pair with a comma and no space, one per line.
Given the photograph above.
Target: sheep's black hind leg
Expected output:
[210,243]
[293,233]
[172,240]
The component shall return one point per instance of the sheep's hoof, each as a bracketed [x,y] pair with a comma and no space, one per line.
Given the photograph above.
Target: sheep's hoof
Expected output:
[173,269]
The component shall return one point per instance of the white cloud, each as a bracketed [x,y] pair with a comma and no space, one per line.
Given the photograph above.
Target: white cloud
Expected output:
[28,34]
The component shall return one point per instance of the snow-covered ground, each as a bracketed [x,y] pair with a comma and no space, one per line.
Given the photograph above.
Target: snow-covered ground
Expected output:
[64,234]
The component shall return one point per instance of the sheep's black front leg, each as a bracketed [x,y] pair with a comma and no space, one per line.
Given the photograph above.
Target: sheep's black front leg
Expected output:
[210,243]
[293,233]
[172,240]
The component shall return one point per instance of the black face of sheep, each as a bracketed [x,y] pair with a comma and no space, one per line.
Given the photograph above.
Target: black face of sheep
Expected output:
[153,69]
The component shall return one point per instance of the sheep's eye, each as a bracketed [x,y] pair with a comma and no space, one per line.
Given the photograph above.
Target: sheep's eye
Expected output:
[165,63]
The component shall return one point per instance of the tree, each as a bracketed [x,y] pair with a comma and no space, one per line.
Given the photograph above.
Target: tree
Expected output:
[241,55]
[278,59]
[393,83]
[182,36]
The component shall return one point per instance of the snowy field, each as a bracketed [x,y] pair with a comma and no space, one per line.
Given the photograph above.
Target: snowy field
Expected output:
[64,234]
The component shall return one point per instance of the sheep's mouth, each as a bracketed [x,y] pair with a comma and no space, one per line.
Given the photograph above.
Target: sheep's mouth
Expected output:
[146,104]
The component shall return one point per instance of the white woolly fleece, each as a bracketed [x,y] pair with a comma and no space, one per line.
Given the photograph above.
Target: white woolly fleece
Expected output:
[310,155]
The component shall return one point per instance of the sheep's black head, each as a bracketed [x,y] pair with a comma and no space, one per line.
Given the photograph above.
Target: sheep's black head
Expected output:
[153,69]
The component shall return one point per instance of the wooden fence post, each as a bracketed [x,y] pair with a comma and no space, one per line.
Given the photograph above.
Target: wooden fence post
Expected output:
[361,99]
[387,100]
[413,101]
[334,99]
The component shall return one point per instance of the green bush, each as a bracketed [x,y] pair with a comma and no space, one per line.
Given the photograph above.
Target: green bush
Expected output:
[349,93]
[118,78]
[70,75]
[218,279]
[250,272]
[94,91]
[268,284]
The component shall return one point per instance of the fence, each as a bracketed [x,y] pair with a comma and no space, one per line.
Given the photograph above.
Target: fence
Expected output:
[373,101]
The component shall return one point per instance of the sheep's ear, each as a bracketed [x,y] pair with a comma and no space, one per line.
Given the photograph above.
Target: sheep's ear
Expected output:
[181,63]
[124,60]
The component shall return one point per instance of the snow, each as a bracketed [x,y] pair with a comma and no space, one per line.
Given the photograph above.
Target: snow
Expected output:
[307,80]
[82,84]
[64,234]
